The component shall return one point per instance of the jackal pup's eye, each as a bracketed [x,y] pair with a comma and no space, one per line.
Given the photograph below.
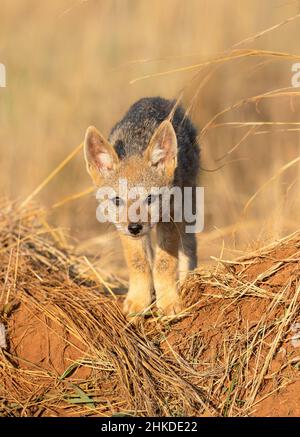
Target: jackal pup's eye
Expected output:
[150,199]
[117,201]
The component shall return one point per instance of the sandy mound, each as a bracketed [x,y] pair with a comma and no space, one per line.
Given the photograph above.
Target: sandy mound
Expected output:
[233,351]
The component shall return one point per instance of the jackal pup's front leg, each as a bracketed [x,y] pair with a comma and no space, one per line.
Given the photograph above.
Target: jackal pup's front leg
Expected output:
[140,293]
[166,268]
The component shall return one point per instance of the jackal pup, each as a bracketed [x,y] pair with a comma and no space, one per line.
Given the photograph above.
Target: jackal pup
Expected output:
[154,145]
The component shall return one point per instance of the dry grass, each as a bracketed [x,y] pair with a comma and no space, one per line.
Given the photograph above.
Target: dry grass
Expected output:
[71,352]
[45,281]
[230,65]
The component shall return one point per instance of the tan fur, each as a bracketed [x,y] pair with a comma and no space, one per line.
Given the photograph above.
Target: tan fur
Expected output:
[140,293]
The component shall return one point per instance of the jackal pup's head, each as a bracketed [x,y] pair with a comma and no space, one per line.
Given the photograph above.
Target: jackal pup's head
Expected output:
[130,189]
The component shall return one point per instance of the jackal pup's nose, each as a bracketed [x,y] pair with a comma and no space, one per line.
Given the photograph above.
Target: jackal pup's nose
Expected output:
[135,228]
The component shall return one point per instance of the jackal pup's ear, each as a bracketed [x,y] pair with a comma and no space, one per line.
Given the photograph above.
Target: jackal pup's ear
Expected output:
[100,156]
[162,150]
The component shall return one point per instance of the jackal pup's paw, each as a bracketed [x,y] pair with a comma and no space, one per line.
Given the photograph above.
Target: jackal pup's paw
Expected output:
[170,307]
[134,306]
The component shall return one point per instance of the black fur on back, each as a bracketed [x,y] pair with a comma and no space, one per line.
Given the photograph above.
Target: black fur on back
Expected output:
[132,134]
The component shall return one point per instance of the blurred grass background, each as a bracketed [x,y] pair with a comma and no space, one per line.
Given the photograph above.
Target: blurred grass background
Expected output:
[71,63]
